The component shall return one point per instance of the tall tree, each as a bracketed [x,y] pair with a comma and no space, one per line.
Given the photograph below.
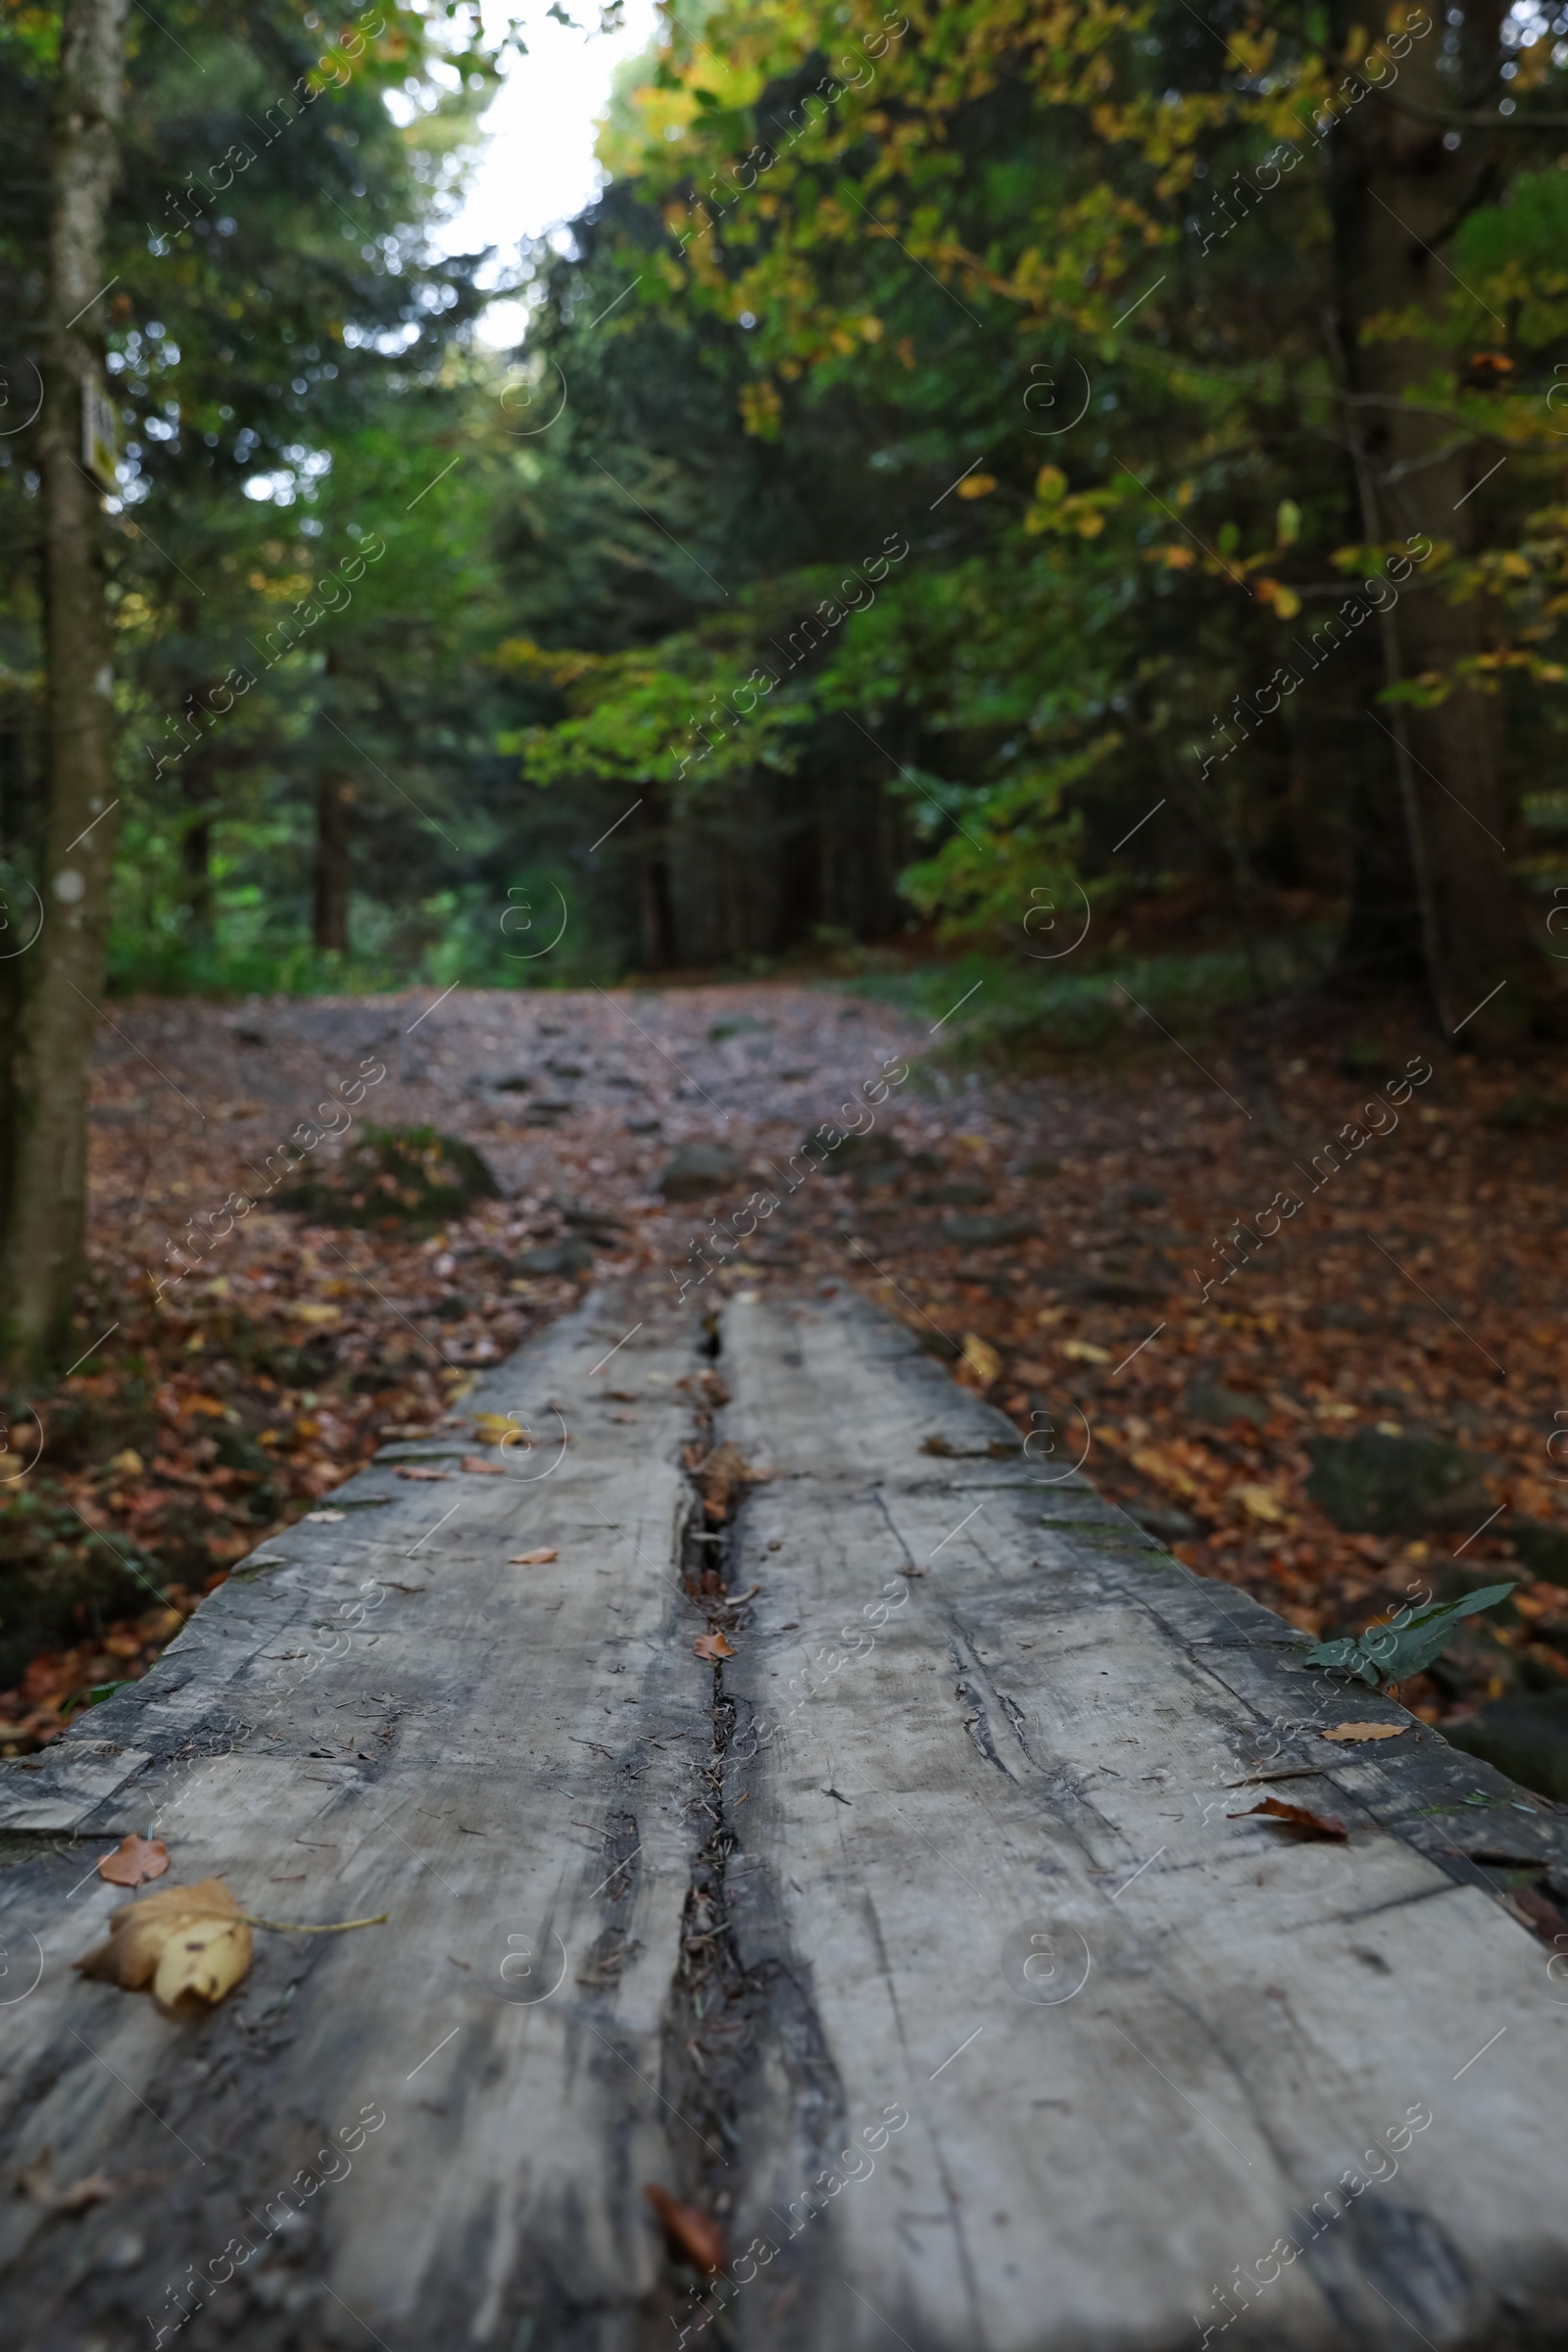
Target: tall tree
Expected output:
[1404,180]
[943,217]
[43,1130]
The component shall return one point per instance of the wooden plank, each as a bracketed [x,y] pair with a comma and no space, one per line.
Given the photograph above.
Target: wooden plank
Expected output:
[1041,1745]
[776,1918]
[502,1757]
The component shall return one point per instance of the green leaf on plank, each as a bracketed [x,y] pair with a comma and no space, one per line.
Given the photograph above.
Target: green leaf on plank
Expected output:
[1391,1654]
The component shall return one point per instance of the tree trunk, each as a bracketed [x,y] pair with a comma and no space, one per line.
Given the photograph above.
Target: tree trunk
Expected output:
[196,858]
[1399,194]
[44,1164]
[1381,947]
[330,923]
[657,907]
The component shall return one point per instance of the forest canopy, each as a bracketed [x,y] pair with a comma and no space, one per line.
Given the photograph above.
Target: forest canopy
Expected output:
[971,461]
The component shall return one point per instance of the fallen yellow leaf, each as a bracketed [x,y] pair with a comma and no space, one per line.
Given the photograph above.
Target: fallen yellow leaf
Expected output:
[533,1560]
[1260,1503]
[128,1462]
[981,1358]
[1084,1351]
[184,1940]
[1158,1467]
[314,1310]
[713,1646]
[494,1427]
[1367,1730]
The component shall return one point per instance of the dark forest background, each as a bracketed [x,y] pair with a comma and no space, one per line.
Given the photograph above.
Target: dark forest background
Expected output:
[1151,339]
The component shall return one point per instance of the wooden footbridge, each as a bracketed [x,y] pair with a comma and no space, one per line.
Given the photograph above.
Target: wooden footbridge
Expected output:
[843,1827]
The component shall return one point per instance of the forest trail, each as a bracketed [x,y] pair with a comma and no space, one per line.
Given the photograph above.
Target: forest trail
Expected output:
[1095,1237]
[917,1940]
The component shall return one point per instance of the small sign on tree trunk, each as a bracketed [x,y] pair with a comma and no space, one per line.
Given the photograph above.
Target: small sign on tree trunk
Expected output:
[100,434]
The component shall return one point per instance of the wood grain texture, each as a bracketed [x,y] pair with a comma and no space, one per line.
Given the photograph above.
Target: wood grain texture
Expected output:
[496,1753]
[780,1913]
[1041,1744]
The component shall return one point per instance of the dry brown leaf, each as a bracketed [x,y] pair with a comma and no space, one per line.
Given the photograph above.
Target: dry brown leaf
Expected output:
[1542,1918]
[476,1468]
[713,1646]
[1366,1731]
[695,2232]
[184,1940]
[1298,1817]
[418,1470]
[534,1559]
[133,1861]
[719,1473]
[91,2189]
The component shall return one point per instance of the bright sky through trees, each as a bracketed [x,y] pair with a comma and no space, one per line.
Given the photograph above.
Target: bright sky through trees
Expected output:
[538,168]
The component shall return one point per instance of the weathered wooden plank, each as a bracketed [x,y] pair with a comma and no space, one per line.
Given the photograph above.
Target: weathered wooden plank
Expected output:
[778,1919]
[501,1758]
[1040,1745]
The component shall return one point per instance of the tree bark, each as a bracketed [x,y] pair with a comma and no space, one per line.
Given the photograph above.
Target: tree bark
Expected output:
[657,905]
[331,921]
[1399,193]
[196,857]
[43,1158]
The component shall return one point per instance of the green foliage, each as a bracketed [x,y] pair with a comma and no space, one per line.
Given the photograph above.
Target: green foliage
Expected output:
[93,1696]
[1034,296]
[1392,1653]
